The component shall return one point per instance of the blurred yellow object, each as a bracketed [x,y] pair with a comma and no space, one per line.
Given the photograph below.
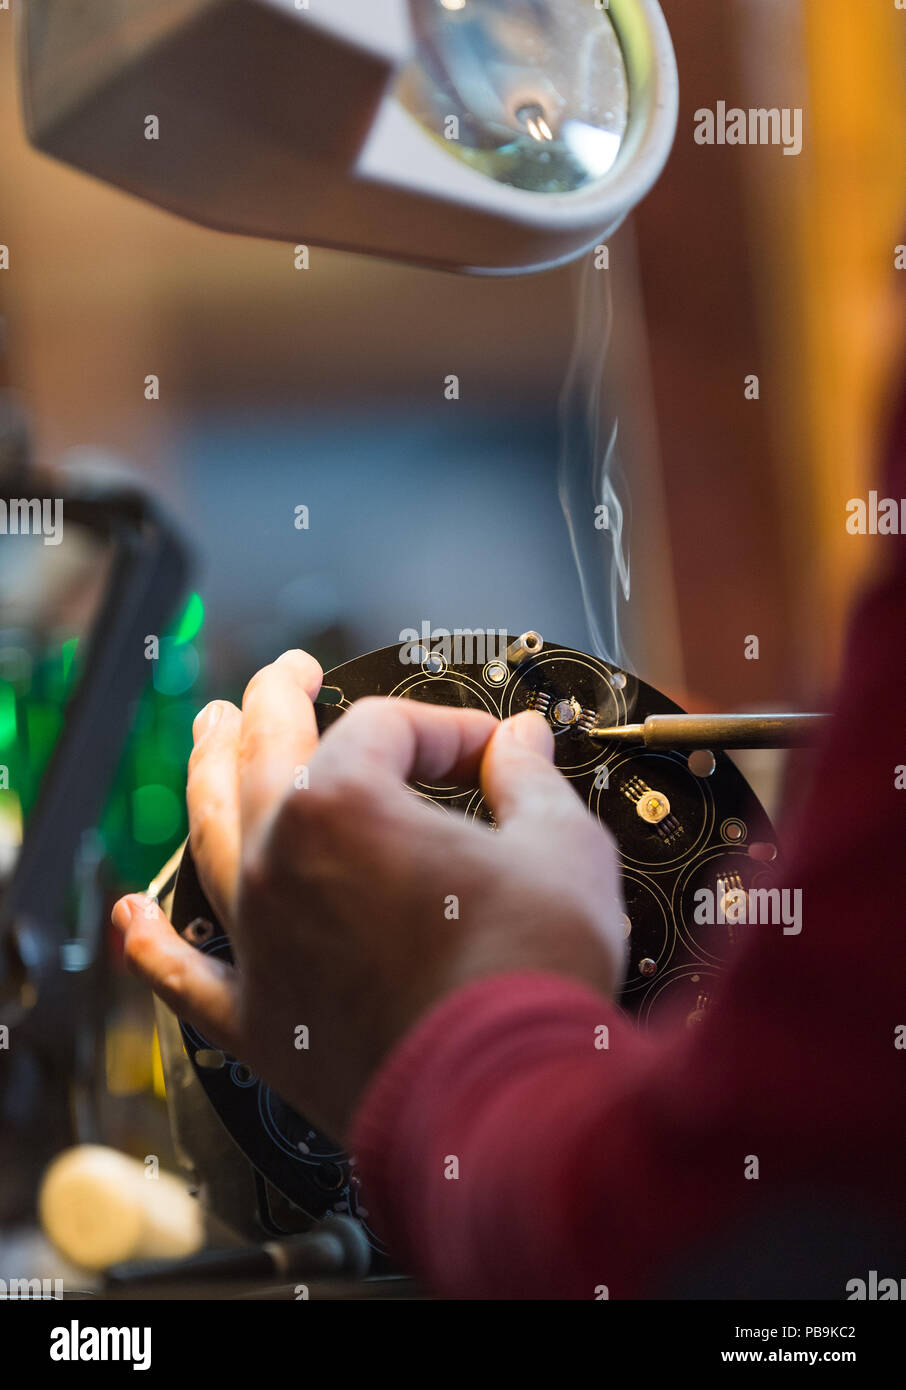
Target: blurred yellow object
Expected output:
[10,829]
[98,1207]
[128,1056]
[836,299]
[157,1069]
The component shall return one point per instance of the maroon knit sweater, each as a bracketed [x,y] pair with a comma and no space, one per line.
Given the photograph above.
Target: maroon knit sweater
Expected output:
[628,1172]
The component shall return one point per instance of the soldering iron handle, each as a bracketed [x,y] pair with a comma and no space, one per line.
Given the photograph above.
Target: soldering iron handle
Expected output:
[732,730]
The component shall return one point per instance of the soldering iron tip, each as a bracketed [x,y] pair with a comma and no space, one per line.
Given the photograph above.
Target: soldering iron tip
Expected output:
[619,733]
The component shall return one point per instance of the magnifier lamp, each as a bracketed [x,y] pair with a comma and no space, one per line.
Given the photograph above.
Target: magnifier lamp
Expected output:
[491,136]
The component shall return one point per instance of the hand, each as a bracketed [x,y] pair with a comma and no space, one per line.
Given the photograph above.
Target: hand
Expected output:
[352,904]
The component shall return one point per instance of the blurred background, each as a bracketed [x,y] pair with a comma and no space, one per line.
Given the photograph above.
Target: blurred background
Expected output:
[325,388]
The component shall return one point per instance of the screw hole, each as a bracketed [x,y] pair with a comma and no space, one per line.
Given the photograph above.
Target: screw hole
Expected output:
[330,1176]
[702,762]
[329,695]
[199,931]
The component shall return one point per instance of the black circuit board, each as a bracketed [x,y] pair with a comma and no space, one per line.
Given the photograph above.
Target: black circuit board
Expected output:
[681,822]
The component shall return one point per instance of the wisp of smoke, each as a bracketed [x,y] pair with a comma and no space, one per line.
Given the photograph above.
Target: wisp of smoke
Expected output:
[590,479]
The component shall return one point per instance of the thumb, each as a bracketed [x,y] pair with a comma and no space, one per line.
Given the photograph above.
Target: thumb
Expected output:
[518,776]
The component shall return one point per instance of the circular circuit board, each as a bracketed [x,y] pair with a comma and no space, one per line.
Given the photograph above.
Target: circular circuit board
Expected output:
[683,822]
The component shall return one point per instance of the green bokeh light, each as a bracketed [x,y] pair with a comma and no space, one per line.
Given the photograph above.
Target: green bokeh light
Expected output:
[176,668]
[7,714]
[43,722]
[156,813]
[189,624]
[145,816]
[68,654]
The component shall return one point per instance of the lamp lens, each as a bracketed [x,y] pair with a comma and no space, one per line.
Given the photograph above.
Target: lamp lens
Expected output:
[532,93]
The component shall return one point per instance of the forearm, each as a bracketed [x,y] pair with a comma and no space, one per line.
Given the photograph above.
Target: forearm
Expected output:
[467,1138]
[578,1166]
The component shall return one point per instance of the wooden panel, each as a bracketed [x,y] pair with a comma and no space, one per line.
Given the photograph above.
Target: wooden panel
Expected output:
[757,262]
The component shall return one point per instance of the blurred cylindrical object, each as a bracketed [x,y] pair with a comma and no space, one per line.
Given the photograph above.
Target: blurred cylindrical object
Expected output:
[98,1207]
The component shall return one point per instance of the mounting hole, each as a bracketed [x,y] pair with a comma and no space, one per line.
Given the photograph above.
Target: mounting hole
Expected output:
[733,830]
[618,680]
[330,1176]
[496,673]
[199,931]
[702,762]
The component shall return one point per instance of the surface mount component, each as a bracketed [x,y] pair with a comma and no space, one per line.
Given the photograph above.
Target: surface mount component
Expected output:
[676,830]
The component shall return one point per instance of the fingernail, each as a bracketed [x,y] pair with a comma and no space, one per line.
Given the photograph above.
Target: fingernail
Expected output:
[530,730]
[307,671]
[205,719]
[295,657]
[122,913]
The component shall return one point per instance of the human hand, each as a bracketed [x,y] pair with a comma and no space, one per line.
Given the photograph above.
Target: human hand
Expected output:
[351,903]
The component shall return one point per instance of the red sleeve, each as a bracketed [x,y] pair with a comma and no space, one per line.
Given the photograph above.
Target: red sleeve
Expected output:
[506,1153]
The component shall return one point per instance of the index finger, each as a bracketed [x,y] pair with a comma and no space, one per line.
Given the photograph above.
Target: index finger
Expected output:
[396,741]
[278,737]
